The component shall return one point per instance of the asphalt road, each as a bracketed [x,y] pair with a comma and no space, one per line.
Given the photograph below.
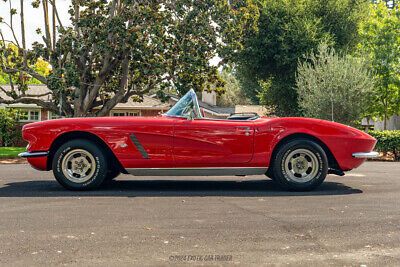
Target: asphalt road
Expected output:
[352,220]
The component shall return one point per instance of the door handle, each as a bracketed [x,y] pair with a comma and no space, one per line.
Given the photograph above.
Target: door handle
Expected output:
[245,128]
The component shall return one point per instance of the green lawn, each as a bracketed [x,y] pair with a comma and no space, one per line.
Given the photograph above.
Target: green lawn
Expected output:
[10,152]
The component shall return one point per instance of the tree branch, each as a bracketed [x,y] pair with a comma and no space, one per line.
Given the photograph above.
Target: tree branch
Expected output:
[55,10]
[11,26]
[34,74]
[23,33]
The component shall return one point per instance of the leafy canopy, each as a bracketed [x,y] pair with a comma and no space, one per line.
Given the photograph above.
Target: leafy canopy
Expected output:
[121,49]
[333,86]
[287,30]
[380,44]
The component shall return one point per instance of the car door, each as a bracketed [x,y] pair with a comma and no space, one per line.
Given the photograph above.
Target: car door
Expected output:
[212,142]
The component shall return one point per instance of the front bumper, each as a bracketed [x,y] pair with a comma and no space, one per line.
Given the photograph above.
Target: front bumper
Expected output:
[33,154]
[366,155]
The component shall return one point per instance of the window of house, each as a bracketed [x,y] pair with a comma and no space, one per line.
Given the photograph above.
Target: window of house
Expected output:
[120,114]
[53,116]
[136,113]
[33,115]
[29,115]
[23,115]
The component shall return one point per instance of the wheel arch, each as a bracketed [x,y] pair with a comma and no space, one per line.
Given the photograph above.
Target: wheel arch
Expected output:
[68,136]
[332,162]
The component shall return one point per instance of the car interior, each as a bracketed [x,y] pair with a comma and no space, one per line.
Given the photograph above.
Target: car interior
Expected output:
[188,107]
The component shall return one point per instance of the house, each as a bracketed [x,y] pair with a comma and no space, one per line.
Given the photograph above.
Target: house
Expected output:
[32,112]
[393,123]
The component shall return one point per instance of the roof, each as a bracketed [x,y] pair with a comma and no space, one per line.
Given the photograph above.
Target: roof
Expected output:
[148,102]
[216,109]
[32,90]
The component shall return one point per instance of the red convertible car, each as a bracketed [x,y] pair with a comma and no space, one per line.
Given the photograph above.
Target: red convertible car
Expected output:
[297,153]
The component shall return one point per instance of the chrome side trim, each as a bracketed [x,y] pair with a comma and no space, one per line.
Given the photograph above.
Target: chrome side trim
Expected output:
[139,146]
[366,155]
[33,154]
[229,171]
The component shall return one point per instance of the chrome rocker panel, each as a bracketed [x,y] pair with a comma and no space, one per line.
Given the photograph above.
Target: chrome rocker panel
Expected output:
[33,154]
[228,171]
[366,155]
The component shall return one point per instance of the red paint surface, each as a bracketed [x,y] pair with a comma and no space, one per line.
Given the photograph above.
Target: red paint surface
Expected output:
[177,142]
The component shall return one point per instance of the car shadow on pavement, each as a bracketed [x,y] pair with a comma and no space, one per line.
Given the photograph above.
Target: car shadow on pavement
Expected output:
[170,188]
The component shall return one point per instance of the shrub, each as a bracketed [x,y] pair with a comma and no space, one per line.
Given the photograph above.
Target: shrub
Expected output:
[388,141]
[8,121]
[333,86]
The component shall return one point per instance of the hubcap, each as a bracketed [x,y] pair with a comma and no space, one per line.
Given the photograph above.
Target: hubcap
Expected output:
[78,165]
[301,165]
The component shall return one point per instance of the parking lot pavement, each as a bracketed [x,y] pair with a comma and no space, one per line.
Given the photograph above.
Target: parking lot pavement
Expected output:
[351,220]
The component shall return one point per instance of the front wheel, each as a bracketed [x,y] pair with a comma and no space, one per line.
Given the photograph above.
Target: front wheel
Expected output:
[80,165]
[300,165]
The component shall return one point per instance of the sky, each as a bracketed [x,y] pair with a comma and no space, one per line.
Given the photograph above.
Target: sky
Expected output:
[33,19]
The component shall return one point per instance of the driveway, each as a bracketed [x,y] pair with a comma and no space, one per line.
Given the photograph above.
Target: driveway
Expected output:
[351,220]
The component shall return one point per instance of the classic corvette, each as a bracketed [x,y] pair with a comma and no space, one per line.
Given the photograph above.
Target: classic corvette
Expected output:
[297,153]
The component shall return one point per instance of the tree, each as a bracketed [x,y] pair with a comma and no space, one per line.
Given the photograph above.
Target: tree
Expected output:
[333,86]
[287,30]
[8,119]
[233,94]
[121,49]
[41,67]
[380,43]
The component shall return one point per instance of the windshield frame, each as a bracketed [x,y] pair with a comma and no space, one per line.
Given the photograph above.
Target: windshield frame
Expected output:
[196,107]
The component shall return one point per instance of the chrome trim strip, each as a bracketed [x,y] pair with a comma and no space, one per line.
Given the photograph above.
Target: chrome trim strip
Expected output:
[228,171]
[33,154]
[366,155]
[139,146]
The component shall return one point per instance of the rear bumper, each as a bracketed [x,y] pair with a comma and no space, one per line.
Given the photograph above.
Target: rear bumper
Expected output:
[33,154]
[366,155]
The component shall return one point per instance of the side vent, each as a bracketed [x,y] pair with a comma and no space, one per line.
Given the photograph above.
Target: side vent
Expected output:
[139,146]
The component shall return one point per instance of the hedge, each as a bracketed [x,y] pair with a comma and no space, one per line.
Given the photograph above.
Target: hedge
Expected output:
[388,141]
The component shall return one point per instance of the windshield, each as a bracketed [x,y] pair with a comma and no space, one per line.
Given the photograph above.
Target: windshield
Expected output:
[187,106]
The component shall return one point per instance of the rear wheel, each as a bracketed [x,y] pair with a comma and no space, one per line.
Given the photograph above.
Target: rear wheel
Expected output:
[80,165]
[300,165]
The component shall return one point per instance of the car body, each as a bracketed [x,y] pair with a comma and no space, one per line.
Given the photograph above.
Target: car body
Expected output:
[183,142]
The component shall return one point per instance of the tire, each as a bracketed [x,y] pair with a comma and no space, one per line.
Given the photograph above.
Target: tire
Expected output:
[300,165]
[80,164]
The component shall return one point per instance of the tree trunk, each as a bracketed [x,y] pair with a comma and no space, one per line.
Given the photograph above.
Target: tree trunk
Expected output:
[23,34]
[385,121]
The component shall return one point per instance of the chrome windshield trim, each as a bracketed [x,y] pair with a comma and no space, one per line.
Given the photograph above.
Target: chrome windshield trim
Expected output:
[33,154]
[207,171]
[195,105]
[366,155]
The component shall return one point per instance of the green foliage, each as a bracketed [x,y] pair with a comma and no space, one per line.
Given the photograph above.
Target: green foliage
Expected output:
[14,55]
[233,93]
[380,44]
[286,31]
[387,141]
[8,120]
[117,50]
[332,86]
